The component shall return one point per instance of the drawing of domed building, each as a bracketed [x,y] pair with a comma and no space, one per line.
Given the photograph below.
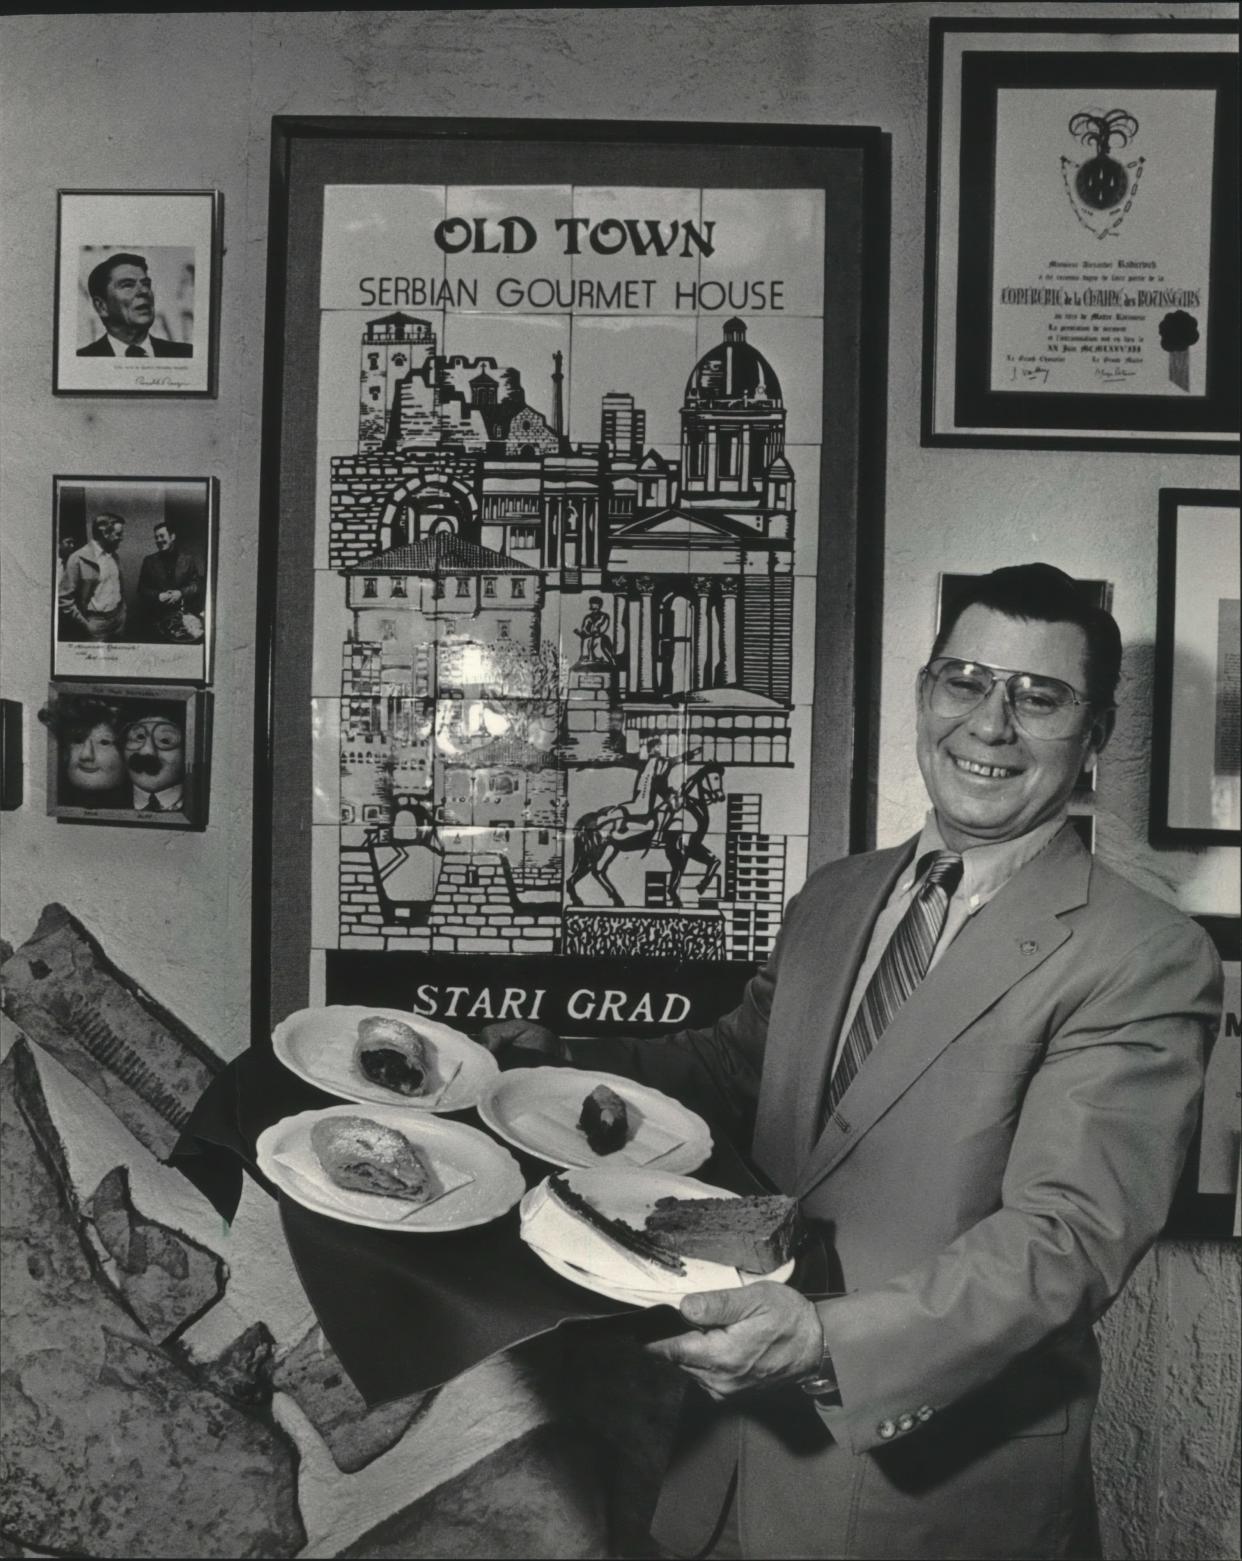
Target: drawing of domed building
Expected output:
[613,592]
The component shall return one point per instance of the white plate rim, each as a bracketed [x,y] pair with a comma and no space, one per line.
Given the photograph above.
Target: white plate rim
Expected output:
[637,1296]
[484,1063]
[700,1134]
[393,1116]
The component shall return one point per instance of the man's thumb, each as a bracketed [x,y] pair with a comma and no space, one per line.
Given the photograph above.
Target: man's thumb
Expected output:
[714,1308]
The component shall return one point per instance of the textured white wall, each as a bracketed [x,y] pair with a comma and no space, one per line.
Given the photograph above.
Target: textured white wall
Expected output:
[186,101]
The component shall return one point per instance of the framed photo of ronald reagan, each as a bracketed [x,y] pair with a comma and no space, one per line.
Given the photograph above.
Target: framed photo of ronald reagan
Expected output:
[132,573]
[1082,235]
[575,474]
[126,753]
[137,292]
[1196,775]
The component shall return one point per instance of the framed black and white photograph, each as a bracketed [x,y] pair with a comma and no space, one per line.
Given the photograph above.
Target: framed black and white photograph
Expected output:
[122,753]
[137,292]
[1196,791]
[1082,235]
[1207,1201]
[1100,593]
[132,573]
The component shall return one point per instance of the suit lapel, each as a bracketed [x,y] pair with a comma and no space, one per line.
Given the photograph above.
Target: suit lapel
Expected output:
[787,1121]
[1010,937]
[877,878]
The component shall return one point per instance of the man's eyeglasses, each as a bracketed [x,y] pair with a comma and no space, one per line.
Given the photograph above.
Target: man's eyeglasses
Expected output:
[162,734]
[1040,706]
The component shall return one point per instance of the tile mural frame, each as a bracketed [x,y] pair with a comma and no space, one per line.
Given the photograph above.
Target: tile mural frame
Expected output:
[833,758]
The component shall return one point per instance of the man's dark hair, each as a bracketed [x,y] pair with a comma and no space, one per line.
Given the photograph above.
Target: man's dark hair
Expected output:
[73,717]
[105,516]
[101,275]
[1040,593]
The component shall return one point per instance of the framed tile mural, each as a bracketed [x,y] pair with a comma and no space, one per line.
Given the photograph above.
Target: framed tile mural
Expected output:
[573,478]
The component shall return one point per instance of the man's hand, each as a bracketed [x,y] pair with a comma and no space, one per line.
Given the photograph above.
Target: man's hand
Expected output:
[760,1336]
[522,1042]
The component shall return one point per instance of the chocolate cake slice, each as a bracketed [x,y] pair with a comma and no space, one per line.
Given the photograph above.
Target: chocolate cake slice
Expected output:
[755,1235]
[604,1120]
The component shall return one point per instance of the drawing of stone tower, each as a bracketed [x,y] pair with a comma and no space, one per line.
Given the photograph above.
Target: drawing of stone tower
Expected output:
[397,380]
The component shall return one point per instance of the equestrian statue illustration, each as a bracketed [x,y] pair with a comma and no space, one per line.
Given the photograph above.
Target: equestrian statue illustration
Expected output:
[669,810]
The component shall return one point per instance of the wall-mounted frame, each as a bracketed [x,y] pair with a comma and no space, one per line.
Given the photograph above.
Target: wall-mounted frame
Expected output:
[1207,1200]
[133,577]
[493,349]
[128,753]
[1082,235]
[1100,593]
[12,759]
[137,295]
[1196,789]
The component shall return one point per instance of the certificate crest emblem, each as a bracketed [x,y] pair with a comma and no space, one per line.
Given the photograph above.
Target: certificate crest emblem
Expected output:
[1101,189]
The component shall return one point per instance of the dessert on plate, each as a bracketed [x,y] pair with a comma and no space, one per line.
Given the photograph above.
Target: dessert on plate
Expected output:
[394,1056]
[364,1156]
[755,1235]
[605,1120]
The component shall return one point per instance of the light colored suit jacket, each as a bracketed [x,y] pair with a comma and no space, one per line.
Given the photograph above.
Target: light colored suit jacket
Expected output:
[986,1186]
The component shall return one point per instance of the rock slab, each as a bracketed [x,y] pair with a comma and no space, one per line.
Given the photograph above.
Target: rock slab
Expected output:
[111,1446]
[66,994]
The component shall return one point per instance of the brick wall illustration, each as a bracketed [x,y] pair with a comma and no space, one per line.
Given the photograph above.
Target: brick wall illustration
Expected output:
[660,605]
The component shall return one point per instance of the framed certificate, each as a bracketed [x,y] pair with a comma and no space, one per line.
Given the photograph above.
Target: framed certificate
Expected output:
[1082,236]
[571,467]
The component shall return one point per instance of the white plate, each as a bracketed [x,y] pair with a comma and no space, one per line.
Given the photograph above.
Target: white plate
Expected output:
[578,1252]
[318,1045]
[485,1178]
[537,1110]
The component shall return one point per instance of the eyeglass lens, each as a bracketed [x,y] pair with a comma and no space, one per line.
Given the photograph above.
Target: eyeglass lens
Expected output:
[162,733]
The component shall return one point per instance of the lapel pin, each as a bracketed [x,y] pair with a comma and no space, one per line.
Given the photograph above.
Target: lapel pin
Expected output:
[1028,946]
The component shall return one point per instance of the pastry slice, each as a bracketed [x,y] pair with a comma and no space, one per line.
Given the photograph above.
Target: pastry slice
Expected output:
[364,1156]
[755,1235]
[394,1056]
[604,1120]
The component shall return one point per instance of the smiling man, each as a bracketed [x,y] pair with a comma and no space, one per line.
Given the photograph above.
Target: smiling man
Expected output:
[122,295]
[976,1059]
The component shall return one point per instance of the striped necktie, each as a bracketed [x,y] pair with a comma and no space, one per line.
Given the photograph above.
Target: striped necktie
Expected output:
[902,966]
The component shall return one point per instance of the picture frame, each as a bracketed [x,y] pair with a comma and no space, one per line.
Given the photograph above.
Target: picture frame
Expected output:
[159,535]
[461,248]
[128,753]
[1101,594]
[1080,270]
[1207,1203]
[137,292]
[1195,788]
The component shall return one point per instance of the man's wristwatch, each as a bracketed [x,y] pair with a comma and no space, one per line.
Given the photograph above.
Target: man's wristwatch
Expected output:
[821,1384]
